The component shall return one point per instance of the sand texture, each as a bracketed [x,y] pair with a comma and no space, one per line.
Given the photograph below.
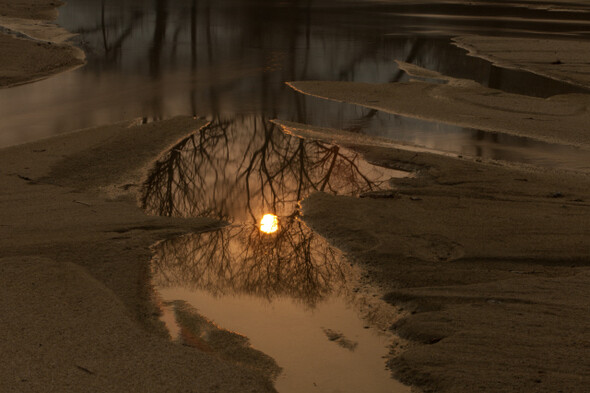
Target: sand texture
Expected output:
[33,48]
[77,311]
[488,262]
[559,119]
[564,60]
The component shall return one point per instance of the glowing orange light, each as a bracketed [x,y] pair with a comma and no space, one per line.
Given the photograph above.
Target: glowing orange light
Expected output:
[269,223]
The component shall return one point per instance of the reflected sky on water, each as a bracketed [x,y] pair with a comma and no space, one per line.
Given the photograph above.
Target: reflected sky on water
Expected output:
[220,173]
[224,59]
[286,289]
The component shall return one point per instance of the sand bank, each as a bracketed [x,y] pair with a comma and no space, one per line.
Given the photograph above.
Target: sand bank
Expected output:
[77,312]
[32,47]
[564,60]
[559,119]
[488,262]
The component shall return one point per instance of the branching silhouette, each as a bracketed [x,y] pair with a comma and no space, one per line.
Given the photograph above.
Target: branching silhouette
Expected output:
[237,260]
[228,173]
[237,171]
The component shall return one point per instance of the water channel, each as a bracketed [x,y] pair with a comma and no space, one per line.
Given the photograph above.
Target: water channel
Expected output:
[286,289]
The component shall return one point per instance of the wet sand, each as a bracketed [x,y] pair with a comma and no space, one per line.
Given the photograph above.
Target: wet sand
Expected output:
[487,261]
[77,315]
[32,47]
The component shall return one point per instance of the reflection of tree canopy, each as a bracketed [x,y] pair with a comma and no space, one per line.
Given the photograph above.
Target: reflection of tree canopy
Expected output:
[237,171]
[294,262]
[241,169]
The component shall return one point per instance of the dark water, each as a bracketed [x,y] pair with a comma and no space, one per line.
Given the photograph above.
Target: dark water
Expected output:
[228,59]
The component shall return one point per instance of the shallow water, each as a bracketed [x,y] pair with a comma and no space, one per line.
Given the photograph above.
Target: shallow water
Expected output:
[282,286]
[230,59]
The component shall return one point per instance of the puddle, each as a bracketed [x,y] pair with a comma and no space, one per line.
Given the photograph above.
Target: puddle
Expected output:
[271,283]
[240,169]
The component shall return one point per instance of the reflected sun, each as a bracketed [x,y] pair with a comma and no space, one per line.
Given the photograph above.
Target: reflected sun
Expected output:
[269,223]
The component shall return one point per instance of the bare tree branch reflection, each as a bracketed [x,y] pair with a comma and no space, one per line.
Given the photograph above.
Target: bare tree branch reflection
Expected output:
[228,173]
[237,170]
[240,260]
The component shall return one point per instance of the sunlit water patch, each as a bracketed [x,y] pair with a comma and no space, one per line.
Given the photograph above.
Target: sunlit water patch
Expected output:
[266,291]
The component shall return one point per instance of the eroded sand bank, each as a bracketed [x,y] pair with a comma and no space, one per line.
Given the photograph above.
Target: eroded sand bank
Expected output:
[32,47]
[565,60]
[558,119]
[488,262]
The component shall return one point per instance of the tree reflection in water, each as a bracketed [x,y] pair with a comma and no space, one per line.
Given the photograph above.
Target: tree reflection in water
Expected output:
[237,171]
[243,260]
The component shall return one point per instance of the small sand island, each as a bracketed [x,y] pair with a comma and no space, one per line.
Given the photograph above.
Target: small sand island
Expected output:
[486,262]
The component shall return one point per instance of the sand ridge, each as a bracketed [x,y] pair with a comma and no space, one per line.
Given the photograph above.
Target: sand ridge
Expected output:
[559,119]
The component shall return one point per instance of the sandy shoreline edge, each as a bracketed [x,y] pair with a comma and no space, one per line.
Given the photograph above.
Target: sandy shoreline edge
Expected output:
[489,261]
[33,48]
[78,310]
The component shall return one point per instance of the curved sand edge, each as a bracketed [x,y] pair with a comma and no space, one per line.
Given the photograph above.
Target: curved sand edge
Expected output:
[33,48]
[565,60]
[77,311]
[559,119]
[489,262]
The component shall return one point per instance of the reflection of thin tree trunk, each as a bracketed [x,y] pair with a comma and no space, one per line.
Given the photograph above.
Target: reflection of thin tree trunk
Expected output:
[209,38]
[104,28]
[159,37]
[307,39]
[156,53]
[194,58]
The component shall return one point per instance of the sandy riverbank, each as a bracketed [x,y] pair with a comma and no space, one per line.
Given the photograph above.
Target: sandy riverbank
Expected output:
[33,48]
[488,260]
[77,312]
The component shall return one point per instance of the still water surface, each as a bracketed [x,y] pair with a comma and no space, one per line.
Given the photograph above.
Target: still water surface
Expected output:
[288,291]
[226,59]
[285,288]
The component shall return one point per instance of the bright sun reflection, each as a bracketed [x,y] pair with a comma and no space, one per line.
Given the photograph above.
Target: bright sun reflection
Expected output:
[269,223]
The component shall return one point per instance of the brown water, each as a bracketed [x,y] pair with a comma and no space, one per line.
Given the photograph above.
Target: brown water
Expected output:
[282,286]
[229,59]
